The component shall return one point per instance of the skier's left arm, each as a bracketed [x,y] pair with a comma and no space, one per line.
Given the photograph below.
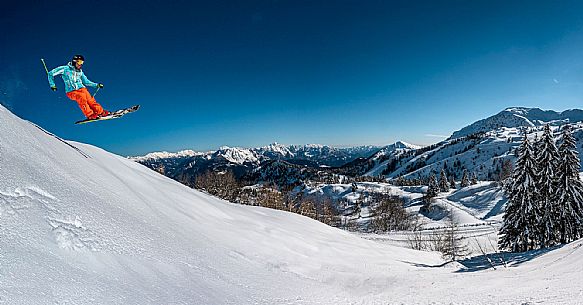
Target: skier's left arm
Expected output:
[87,82]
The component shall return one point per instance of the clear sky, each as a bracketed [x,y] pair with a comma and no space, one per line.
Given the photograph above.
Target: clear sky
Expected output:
[249,73]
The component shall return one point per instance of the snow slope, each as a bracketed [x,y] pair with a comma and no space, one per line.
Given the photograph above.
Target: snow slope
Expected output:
[79,225]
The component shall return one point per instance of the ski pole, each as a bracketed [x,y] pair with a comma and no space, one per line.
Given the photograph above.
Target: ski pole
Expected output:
[43,61]
[94,94]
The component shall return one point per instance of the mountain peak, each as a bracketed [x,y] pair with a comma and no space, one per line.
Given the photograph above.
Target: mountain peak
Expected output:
[520,110]
[237,155]
[402,144]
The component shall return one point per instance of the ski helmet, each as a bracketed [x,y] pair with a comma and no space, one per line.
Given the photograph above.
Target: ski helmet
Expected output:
[77,57]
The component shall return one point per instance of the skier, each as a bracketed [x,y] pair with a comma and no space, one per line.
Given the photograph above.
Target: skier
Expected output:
[75,82]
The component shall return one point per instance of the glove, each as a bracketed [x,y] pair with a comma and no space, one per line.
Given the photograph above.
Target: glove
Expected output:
[54,88]
[100,85]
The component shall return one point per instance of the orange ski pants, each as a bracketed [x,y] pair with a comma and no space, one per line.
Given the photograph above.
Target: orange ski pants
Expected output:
[86,102]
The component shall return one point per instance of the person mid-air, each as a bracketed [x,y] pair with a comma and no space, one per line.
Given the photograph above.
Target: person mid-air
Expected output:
[75,82]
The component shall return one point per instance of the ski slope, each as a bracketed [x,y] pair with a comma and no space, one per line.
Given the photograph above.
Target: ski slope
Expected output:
[79,225]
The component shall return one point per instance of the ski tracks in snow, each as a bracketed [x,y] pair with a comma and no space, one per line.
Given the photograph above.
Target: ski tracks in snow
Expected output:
[67,230]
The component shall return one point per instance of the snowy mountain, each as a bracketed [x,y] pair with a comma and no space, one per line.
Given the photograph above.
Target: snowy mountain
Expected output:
[482,154]
[276,151]
[393,149]
[185,166]
[376,164]
[169,163]
[319,155]
[516,117]
[79,225]
[236,155]
[169,155]
[324,155]
[479,148]
[387,155]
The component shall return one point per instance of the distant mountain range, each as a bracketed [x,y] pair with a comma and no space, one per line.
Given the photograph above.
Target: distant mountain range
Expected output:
[479,147]
[187,164]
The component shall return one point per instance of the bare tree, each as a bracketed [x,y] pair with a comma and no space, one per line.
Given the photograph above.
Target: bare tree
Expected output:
[330,215]
[308,208]
[270,197]
[220,184]
[506,170]
[390,215]
[454,245]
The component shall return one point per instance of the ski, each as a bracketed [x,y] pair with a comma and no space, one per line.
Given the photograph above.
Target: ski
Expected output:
[113,115]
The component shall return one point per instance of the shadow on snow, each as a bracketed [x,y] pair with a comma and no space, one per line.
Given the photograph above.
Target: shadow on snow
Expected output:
[479,263]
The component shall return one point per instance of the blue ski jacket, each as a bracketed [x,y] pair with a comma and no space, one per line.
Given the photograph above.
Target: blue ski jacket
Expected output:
[74,79]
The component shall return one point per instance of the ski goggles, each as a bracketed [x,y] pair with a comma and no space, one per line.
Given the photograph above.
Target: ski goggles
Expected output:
[79,61]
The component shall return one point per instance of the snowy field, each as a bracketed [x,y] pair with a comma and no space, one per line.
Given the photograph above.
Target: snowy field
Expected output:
[79,225]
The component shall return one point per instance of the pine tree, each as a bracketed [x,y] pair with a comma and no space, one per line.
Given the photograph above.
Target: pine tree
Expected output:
[443,183]
[547,170]
[519,229]
[465,180]
[452,182]
[569,190]
[432,190]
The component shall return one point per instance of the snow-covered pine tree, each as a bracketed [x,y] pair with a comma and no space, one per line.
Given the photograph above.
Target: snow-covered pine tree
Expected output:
[432,190]
[443,183]
[547,163]
[465,180]
[452,182]
[569,190]
[433,186]
[518,232]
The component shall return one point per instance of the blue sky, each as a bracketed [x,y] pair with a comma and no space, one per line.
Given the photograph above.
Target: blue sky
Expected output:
[249,73]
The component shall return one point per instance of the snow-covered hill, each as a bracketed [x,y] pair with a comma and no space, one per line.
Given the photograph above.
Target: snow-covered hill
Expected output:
[521,117]
[388,154]
[79,225]
[483,203]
